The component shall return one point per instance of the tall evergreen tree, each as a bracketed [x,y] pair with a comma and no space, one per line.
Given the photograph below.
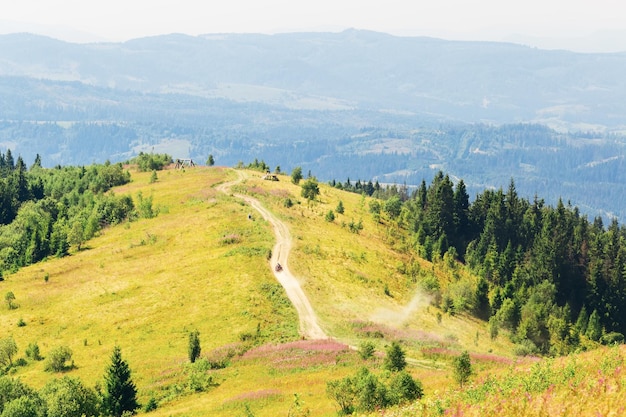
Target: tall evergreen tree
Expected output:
[120,392]
[594,328]
[8,160]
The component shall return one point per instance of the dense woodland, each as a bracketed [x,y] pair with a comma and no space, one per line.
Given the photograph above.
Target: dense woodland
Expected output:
[549,275]
[44,211]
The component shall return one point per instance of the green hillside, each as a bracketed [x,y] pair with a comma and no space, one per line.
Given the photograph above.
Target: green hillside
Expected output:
[202,264]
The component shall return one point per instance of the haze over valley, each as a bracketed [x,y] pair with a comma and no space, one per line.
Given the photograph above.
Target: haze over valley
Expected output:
[204,212]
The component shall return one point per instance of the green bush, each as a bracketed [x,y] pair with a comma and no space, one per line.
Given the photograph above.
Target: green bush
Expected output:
[462,368]
[403,388]
[32,352]
[613,338]
[366,350]
[69,397]
[58,358]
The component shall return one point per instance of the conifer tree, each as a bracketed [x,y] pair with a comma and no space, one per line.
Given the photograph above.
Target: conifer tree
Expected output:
[340,208]
[462,368]
[194,348]
[395,360]
[594,328]
[120,392]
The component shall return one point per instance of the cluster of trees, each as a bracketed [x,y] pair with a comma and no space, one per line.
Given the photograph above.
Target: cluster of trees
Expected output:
[69,397]
[151,161]
[367,392]
[256,165]
[547,274]
[44,211]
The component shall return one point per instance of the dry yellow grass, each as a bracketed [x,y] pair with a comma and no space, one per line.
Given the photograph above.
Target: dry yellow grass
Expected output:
[145,284]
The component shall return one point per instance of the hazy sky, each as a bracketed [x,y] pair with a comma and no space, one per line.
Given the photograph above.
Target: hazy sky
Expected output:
[462,19]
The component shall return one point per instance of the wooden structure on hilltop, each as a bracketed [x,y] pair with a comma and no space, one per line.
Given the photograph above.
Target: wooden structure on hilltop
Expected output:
[182,163]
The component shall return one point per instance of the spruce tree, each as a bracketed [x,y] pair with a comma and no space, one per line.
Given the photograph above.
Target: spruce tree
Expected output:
[594,327]
[395,360]
[120,392]
[339,208]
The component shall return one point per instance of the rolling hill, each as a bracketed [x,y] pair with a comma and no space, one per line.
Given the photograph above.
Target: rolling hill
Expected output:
[203,264]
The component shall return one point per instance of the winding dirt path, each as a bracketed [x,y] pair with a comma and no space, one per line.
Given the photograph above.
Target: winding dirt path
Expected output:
[309,328]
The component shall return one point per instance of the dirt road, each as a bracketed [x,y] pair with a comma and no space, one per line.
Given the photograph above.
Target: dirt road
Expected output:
[309,328]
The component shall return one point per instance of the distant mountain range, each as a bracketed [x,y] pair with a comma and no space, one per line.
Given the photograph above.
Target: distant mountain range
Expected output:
[356,103]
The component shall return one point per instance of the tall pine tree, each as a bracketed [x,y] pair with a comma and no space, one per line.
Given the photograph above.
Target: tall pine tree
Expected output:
[120,392]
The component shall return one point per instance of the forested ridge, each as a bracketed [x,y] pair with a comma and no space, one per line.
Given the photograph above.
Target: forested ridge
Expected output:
[548,274]
[44,211]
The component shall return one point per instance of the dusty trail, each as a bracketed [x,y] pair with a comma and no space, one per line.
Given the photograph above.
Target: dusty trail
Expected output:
[309,327]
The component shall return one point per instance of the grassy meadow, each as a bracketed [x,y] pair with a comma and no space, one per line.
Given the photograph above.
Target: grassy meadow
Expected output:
[202,264]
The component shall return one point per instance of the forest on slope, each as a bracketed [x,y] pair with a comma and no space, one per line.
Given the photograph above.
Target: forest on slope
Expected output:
[45,210]
[547,274]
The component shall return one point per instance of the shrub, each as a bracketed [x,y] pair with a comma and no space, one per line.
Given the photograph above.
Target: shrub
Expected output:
[310,189]
[296,175]
[68,397]
[343,392]
[9,298]
[27,405]
[58,358]
[330,216]
[32,352]
[612,338]
[462,368]
[371,393]
[366,350]
[403,388]
[198,377]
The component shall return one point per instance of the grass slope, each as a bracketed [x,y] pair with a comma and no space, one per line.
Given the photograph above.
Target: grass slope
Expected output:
[201,264]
